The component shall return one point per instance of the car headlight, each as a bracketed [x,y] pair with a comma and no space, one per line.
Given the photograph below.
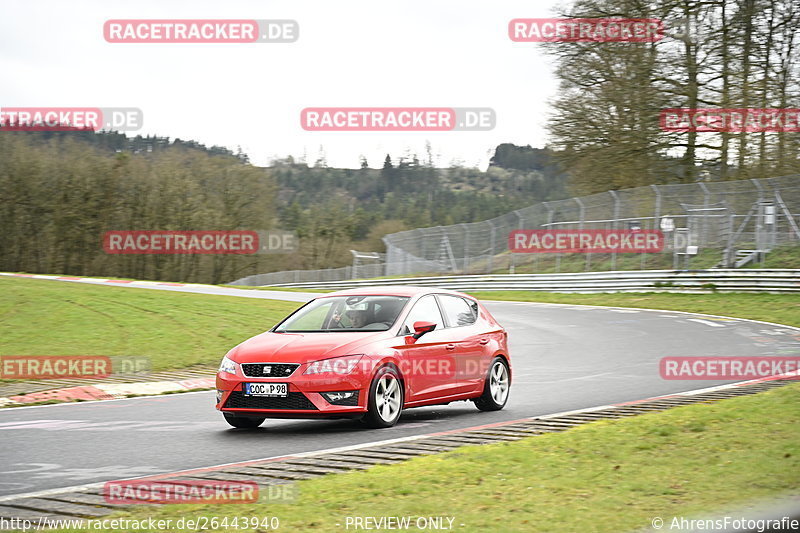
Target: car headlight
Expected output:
[335,365]
[228,366]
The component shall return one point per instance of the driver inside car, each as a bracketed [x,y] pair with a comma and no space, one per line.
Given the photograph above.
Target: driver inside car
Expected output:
[357,317]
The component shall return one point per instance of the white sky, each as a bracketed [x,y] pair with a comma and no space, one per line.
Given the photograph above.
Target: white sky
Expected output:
[351,53]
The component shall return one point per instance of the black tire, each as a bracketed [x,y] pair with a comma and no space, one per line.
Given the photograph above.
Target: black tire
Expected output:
[492,399]
[384,412]
[243,422]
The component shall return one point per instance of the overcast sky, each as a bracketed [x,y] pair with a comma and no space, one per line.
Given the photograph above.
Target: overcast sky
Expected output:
[393,53]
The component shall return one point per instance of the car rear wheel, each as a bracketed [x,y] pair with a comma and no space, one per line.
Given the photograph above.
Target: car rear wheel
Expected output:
[495,391]
[385,399]
[244,422]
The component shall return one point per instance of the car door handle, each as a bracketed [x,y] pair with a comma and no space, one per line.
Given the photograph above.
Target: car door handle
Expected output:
[484,341]
[451,346]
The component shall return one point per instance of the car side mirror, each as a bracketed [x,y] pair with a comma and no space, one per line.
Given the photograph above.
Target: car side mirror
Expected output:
[421,328]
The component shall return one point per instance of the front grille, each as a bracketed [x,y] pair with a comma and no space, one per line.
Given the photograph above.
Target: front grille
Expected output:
[295,400]
[269,370]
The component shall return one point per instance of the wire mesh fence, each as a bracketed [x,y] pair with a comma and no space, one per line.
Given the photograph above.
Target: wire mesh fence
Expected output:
[715,217]
[705,224]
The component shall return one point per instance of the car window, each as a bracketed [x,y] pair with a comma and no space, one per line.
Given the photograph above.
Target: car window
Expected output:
[457,310]
[425,310]
[345,313]
[312,319]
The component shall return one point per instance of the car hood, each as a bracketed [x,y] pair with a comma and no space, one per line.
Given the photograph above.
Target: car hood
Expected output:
[272,347]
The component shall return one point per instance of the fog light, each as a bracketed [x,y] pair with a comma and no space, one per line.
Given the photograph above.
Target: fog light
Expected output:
[219,395]
[336,396]
[342,397]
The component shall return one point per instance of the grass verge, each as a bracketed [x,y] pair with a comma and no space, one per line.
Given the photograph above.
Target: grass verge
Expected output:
[778,308]
[176,330]
[607,476]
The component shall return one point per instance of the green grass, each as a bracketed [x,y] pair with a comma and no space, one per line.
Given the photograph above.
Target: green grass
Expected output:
[605,476]
[176,330]
[780,257]
[778,308]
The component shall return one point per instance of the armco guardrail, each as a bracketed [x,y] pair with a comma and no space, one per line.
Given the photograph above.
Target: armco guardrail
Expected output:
[723,280]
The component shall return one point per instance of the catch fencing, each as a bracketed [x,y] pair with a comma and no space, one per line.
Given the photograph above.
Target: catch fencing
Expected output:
[705,224]
[723,216]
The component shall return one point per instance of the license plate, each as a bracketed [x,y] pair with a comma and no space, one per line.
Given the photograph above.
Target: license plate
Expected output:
[266,389]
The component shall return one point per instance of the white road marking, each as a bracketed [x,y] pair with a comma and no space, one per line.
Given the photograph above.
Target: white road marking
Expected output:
[706,322]
[10,425]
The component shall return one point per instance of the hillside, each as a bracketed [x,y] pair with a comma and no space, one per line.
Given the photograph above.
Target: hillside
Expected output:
[60,192]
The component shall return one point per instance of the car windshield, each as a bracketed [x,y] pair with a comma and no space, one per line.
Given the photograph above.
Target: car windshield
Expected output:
[345,313]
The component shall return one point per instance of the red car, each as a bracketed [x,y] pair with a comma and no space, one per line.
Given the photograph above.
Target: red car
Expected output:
[368,353]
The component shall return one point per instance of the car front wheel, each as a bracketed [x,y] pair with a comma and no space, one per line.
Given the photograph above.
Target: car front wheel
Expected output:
[495,390]
[385,399]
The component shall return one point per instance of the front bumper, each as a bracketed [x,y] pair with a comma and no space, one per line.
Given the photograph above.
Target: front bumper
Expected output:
[304,400]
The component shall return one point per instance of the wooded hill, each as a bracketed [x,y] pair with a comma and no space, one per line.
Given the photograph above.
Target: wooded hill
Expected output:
[60,192]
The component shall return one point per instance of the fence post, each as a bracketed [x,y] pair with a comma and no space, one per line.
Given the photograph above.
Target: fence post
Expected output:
[614,225]
[759,219]
[520,225]
[549,222]
[491,246]
[355,264]
[656,217]
[706,203]
[582,209]
[466,246]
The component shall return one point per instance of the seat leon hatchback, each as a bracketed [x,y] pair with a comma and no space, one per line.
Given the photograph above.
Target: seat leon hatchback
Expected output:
[368,353]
